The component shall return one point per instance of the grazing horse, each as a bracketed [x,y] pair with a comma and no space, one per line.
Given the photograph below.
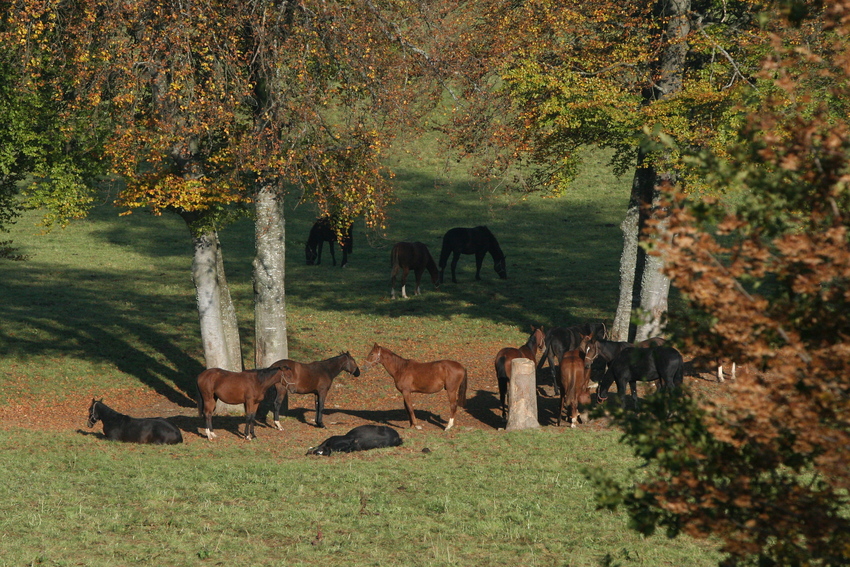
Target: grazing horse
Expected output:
[313,378]
[361,438]
[562,339]
[575,378]
[422,378]
[120,427]
[248,387]
[323,231]
[478,241]
[642,363]
[532,348]
[415,256]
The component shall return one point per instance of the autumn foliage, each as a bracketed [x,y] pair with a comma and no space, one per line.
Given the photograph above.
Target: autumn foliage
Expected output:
[764,465]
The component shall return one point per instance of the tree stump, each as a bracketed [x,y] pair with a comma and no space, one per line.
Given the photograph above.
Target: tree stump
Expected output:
[522,394]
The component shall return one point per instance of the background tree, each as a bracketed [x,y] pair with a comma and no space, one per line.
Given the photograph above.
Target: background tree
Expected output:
[763,468]
[556,77]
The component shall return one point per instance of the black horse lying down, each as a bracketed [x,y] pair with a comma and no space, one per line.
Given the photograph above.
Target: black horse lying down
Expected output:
[360,438]
[120,427]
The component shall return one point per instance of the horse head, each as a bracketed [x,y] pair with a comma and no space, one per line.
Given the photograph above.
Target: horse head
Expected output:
[287,378]
[538,339]
[373,358]
[311,254]
[590,347]
[350,365]
[93,415]
[501,268]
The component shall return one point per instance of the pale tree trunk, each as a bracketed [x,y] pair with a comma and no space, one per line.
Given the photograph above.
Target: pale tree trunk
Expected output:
[269,271]
[228,313]
[654,286]
[522,411]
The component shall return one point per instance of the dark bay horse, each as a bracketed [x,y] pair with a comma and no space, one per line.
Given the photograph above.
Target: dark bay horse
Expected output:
[313,378]
[120,427]
[361,438]
[562,339]
[423,378]
[648,364]
[532,348]
[248,387]
[406,256]
[323,231]
[478,241]
[575,378]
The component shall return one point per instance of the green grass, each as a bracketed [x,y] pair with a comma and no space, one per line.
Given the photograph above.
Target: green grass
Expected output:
[108,304]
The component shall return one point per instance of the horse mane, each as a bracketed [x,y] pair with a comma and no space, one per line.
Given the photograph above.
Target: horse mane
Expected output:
[494,248]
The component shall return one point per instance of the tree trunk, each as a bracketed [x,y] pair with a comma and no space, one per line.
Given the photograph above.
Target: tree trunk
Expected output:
[208,294]
[645,279]
[228,313]
[523,395]
[269,271]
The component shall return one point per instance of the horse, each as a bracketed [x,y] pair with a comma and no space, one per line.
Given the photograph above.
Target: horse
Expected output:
[323,231]
[120,427]
[562,339]
[361,438]
[532,348]
[313,378]
[422,378]
[649,364]
[478,241]
[248,387]
[406,256]
[575,377]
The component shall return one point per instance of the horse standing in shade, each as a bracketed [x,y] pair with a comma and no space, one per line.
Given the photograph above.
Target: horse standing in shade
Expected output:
[248,387]
[562,339]
[313,378]
[323,231]
[478,241]
[532,348]
[406,256]
[575,378]
[642,363]
[411,376]
[120,427]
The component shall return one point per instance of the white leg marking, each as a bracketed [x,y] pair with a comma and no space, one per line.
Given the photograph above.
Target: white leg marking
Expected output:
[278,425]
[451,422]
[418,426]
[403,291]
[210,434]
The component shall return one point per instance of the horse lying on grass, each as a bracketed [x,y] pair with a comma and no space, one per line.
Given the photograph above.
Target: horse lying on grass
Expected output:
[120,427]
[360,438]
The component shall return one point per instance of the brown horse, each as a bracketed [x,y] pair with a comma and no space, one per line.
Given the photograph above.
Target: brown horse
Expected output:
[415,256]
[532,348]
[575,377]
[422,378]
[313,378]
[248,387]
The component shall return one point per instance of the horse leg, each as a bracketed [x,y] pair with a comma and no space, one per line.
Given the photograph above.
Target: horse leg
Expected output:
[209,407]
[405,271]
[633,387]
[320,407]
[418,275]
[455,258]
[250,418]
[452,394]
[331,248]
[563,403]
[408,404]
[282,396]
[393,275]
[479,260]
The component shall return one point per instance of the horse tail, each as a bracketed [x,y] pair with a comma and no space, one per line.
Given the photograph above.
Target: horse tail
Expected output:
[501,372]
[461,391]
[200,399]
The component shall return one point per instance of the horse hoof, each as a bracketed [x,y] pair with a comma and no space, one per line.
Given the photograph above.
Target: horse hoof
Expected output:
[278,426]
[417,426]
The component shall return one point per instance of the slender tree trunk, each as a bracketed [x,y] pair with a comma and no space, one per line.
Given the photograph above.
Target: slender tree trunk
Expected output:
[646,279]
[208,294]
[228,313]
[269,271]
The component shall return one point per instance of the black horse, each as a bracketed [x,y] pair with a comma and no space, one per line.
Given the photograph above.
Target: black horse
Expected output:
[120,427]
[361,438]
[564,339]
[478,241]
[323,231]
[642,363]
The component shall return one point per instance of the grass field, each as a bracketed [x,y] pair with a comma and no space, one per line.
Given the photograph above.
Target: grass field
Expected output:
[106,308]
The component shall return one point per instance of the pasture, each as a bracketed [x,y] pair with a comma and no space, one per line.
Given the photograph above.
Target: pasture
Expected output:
[106,308]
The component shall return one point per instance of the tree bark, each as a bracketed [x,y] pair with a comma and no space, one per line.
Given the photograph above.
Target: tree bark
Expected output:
[646,279]
[269,271]
[523,395]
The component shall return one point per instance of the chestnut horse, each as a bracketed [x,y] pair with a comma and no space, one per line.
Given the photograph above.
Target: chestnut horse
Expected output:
[415,256]
[313,378]
[532,348]
[422,378]
[575,377]
[248,387]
